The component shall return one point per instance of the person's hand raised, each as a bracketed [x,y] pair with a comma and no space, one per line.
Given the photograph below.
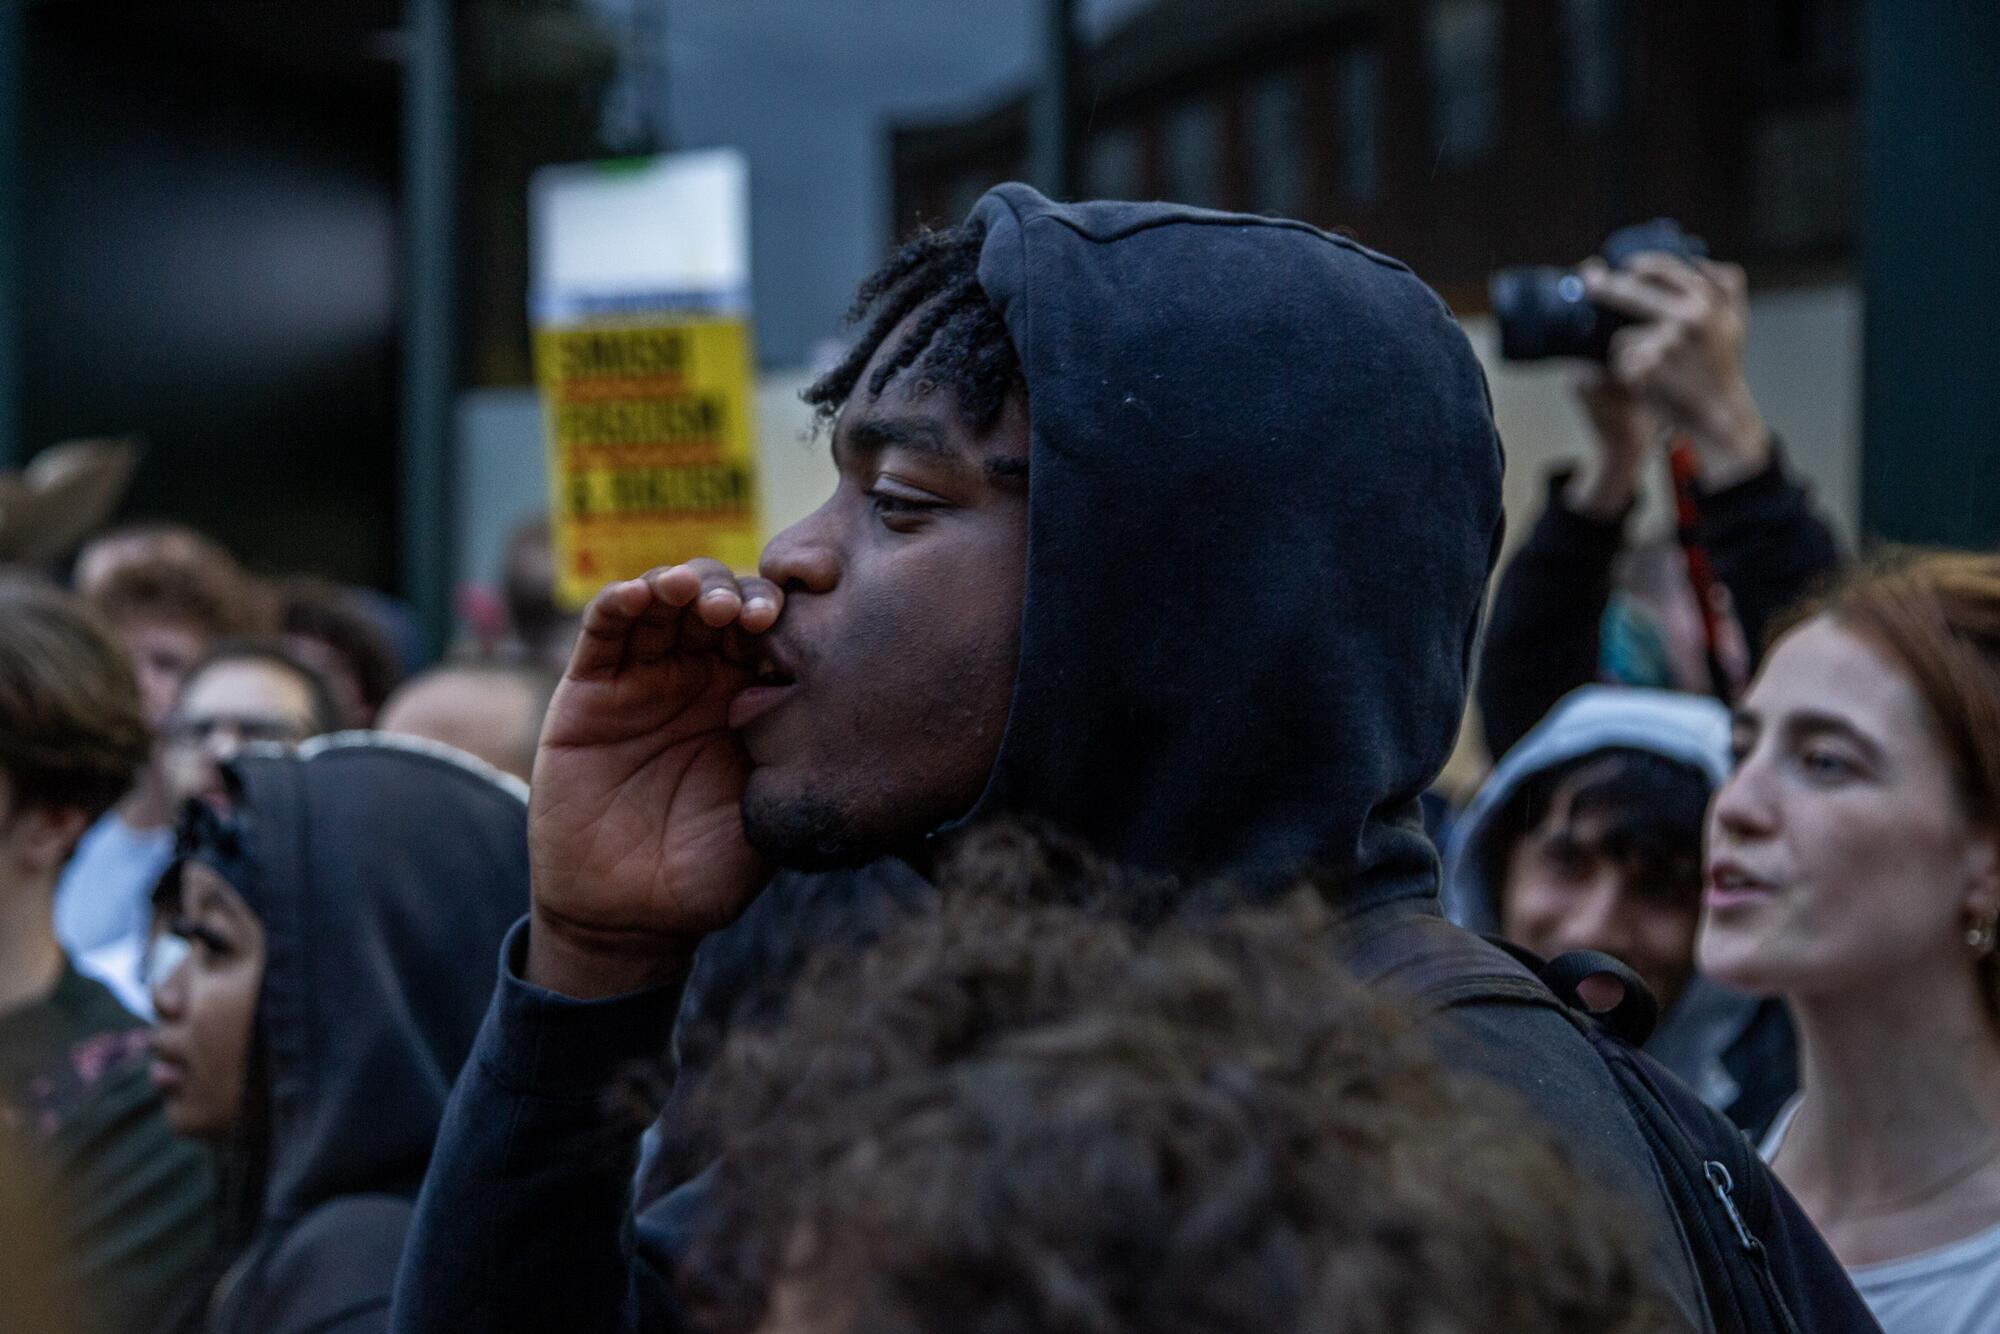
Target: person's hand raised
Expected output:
[1684,356]
[635,834]
[1623,432]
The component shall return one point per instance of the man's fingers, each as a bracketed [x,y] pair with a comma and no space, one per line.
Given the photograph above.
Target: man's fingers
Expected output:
[1670,273]
[607,627]
[1634,354]
[1729,279]
[640,620]
[1592,384]
[1629,294]
[675,585]
[709,586]
[762,601]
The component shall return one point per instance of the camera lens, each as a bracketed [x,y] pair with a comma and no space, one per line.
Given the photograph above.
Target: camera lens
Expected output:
[1542,313]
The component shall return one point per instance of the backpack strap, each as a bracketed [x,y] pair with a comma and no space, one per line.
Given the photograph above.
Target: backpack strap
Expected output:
[1637,1010]
[1434,966]
[1753,1259]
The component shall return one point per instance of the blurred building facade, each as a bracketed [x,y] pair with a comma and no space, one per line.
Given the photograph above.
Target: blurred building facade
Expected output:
[207,245]
[224,228]
[240,234]
[1460,134]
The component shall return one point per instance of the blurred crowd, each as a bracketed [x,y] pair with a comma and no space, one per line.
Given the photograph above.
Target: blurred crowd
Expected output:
[1029,903]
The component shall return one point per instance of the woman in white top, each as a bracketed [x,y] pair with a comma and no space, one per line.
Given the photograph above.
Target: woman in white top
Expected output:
[1854,869]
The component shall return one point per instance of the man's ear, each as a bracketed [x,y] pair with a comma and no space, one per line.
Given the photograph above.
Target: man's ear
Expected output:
[45,836]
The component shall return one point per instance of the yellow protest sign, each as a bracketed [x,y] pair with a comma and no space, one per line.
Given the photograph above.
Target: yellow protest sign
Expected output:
[640,298]
[652,451]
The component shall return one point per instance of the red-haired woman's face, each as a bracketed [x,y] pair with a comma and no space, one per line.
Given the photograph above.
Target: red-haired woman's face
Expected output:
[1840,854]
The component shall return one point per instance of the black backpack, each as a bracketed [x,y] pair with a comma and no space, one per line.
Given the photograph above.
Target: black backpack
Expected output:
[1760,1266]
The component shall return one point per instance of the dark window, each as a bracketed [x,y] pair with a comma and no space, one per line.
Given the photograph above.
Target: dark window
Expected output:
[1115,166]
[1592,73]
[963,193]
[1805,191]
[1193,143]
[1277,144]
[1462,54]
[1813,37]
[1358,95]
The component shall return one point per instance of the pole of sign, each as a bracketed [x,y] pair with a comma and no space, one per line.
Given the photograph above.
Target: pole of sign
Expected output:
[1930,274]
[13,61]
[430,128]
[1053,141]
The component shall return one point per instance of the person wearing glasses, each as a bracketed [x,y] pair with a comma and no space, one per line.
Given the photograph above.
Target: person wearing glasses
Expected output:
[244,691]
[241,691]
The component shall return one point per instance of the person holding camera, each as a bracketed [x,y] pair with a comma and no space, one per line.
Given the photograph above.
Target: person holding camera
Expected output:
[1670,332]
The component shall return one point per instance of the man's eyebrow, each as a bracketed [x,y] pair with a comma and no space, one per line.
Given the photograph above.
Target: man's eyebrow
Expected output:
[912,433]
[919,435]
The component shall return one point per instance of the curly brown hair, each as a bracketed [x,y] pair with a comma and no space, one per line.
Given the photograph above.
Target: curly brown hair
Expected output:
[71,730]
[1053,1103]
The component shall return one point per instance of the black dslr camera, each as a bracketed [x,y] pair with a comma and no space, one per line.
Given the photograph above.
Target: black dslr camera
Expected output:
[1543,312]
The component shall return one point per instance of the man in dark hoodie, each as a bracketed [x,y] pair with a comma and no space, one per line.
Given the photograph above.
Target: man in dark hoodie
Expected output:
[1165,526]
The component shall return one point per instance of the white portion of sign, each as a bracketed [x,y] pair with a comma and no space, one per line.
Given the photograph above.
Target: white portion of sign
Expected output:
[669,232]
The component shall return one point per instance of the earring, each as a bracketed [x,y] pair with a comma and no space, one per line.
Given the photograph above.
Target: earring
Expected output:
[1982,935]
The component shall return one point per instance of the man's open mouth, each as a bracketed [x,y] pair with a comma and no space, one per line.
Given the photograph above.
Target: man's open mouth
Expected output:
[768,672]
[771,683]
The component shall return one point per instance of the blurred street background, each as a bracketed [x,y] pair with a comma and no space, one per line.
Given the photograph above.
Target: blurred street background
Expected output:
[287,246]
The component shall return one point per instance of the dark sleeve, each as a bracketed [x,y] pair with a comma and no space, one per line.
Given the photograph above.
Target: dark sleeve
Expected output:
[1547,613]
[1769,545]
[523,1219]
[138,1203]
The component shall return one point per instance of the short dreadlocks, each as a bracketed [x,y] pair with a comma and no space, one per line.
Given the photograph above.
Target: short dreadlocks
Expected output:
[958,343]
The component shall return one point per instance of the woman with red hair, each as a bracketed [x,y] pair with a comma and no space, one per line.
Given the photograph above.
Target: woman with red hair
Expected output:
[1853,867]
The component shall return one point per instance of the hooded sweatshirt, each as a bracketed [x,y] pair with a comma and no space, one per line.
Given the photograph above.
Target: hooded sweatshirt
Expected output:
[1264,499]
[1221,416]
[385,874]
[1735,1051]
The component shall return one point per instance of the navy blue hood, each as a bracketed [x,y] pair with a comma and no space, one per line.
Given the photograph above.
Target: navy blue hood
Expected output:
[1264,501]
[385,874]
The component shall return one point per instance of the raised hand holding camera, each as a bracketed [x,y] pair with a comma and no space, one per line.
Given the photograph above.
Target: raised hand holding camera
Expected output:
[1624,431]
[1668,325]
[1683,354]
